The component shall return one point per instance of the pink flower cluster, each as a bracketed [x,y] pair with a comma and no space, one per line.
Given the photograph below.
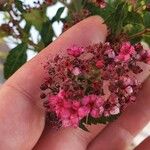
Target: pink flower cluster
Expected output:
[145,56]
[93,82]
[126,52]
[75,51]
[72,112]
[101,3]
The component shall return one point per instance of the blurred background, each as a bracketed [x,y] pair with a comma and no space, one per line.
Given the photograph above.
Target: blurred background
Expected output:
[3,53]
[12,31]
[26,27]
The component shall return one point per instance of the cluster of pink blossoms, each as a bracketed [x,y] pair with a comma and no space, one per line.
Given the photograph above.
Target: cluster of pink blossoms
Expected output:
[92,82]
[100,3]
[72,111]
[126,51]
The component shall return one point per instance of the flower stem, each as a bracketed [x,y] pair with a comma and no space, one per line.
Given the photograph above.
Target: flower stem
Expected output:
[145,31]
[87,118]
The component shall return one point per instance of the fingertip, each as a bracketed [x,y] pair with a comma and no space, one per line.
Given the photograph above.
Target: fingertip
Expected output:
[98,23]
[90,30]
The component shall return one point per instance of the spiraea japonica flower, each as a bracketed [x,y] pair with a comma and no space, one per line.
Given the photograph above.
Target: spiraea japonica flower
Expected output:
[92,83]
[100,3]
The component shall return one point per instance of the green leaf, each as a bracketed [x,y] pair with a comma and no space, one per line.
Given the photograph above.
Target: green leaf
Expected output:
[105,120]
[82,126]
[95,10]
[40,46]
[119,16]
[112,118]
[102,120]
[27,27]
[36,18]
[15,59]
[19,5]
[26,32]
[58,14]
[147,1]
[147,20]
[134,18]
[133,31]
[136,40]
[116,19]
[76,6]
[92,120]
[47,33]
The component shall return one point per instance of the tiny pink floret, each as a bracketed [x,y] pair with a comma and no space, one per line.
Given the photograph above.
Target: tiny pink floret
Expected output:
[75,51]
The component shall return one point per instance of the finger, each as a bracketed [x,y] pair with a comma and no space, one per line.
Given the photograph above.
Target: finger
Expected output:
[57,140]
[145,145]
[68,138]
[121,132]
[22,121]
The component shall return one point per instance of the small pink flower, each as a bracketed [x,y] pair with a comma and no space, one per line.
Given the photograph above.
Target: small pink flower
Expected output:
[76,71]
[65,113]
[99,102]
[74,119]
[66,123]
[83,111]
[75,51]
[132,99]
[53,100]
[110,53]
[67,104]
[137,57]
[127,80]
[126,51]
[95,113]
[122,57]
[94,103]
[89,99]
[59,105]
[106,113]
[146,56]
[85,100]
[100,64]
[129,90]
[101,110]
[113,99]
[101,3]
[127,48]
[114,110]
[61,94]
[76,105]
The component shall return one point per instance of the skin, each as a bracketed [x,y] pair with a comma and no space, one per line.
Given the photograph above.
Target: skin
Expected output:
[22,124]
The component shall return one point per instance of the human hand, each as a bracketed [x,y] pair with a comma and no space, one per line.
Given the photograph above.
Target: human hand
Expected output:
[23,118]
